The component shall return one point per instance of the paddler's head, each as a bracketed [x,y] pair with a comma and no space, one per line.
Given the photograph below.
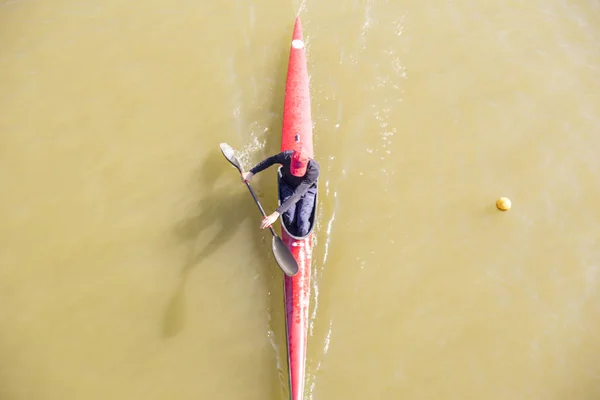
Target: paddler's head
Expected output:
[299,163]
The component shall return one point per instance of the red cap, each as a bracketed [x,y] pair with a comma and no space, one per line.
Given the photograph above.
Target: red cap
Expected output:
[299,163]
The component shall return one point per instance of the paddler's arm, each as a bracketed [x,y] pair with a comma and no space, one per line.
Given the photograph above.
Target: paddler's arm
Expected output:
[293,199]
[267,162]
[264,164]
[290,202]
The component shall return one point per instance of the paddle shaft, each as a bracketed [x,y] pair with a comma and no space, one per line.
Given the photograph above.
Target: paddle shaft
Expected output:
[259,206]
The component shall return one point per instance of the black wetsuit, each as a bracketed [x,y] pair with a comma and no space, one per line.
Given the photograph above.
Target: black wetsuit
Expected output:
[298,192]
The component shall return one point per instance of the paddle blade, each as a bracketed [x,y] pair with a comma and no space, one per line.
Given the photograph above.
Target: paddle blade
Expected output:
[230,156]
[284,257]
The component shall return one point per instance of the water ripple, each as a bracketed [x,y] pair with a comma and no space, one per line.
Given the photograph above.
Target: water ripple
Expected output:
[327,341]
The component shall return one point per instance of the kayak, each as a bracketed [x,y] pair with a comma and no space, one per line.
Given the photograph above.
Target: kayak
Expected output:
[296,133]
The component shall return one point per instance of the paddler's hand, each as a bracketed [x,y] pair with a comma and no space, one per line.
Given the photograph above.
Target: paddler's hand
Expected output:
[268,220]
[246,176]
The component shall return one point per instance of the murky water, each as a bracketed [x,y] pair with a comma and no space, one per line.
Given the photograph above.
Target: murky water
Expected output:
[131,261]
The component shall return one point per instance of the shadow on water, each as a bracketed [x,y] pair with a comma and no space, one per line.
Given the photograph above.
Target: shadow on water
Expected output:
[269,185]
[228,208]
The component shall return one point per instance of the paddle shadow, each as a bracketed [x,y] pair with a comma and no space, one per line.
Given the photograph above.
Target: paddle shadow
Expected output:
[228,208]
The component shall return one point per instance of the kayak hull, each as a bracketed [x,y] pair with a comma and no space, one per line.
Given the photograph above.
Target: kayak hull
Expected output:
[297,133]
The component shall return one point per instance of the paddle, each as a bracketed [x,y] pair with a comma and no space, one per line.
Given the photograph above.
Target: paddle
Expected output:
[282,254]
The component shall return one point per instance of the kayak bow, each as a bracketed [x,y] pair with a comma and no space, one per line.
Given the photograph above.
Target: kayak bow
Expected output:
[297,133]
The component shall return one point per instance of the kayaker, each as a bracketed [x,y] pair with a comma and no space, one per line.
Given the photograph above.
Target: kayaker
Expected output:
[298,188]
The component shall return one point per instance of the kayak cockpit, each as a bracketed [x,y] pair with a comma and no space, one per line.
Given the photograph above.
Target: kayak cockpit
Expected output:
[291,230]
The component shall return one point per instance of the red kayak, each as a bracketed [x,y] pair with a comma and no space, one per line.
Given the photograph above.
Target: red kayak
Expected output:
[297,133]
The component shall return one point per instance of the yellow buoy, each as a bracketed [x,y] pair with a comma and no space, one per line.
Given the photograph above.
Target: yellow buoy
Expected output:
[503,204]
